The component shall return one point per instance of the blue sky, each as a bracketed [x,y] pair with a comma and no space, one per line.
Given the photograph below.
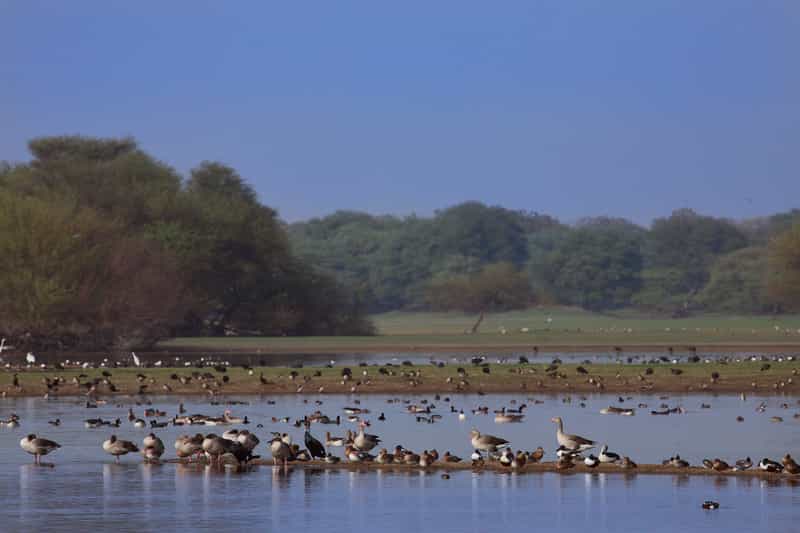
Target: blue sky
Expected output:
[625,108]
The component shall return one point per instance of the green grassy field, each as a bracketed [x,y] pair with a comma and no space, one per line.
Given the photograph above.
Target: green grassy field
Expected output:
[563,329]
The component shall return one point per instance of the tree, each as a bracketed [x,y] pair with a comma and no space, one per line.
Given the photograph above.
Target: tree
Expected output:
[738,282]
[783,284]
[498,287]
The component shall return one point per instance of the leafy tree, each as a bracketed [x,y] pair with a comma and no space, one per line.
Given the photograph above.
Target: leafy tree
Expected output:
[738,282]
[498,287]
[784,261]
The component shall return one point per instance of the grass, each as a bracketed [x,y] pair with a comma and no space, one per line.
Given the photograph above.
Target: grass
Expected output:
[563,329]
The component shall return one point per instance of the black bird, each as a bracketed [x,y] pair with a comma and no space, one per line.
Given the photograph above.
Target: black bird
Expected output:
[314,447]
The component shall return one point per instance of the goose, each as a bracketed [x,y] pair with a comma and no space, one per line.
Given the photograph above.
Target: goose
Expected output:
[248,440]
[314,447]
[117,447]
[37,446]
[231,434]
[152,448]
[591,461]
[606,456]
[333,441]
[769,465]
[572,442]
[536,455]
[486,443]
[743,464]
[365,442]
[186,446]
[228,418]
[215,446]
[280,451]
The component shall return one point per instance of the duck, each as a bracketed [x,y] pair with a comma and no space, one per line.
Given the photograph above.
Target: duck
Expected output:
[708,504]
[449,458]
[677,462]
[333,441]
[477,458]
[606,456]
[768,465]
[425,459]
[11,423]
[506,457]
[38,447]
[356,456]
[410,458]
[627,463]
[519,460]
[591,461]
[384,457]
[56,422]
[790,466]
[139,423]
[117,447]
[487,443]
[571,442]
[364,441]
[708,463]
[536,455]
[743,464]
[507,418]
[564,463]
[612,410]
[719,465]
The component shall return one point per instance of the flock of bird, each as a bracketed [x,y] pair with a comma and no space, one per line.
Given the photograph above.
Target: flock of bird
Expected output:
[237,447]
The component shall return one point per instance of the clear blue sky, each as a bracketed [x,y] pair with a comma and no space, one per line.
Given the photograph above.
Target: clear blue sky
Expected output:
[628,108]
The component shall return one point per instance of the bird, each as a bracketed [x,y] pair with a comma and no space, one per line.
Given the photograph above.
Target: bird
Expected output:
[627,463]
[136,359]
[572,442]
[790,466]
[152,448]
[487,443]
[38,446]
[30,358]
[768,465]
[719,465]
[743,464]
[606,456]
[333,441]
[215,446]
[708,504]
[364,442]
[591,461]
[536,455]
[117,447]
[280,451]
[314,447]
[186,446]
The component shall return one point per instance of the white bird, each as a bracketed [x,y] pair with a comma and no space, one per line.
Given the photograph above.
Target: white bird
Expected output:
[606,456]
[30,358]
[135,359]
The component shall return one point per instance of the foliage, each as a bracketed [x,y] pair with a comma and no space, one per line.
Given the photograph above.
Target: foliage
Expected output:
[784,260]
[498,287]
[738,282]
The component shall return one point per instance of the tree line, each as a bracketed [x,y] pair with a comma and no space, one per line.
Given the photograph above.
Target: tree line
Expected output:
[103,246]
[474,257]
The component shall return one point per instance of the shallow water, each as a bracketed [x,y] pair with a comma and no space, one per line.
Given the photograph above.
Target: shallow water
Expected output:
[86,490]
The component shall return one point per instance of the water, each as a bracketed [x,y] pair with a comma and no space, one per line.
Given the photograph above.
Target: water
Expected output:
[85,490]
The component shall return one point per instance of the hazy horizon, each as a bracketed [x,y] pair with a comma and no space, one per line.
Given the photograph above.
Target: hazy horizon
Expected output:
[568,109]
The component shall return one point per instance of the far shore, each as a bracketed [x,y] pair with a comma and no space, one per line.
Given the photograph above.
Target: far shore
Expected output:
[749,377]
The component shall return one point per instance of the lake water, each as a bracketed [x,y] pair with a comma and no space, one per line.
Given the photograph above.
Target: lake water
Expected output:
[85,490]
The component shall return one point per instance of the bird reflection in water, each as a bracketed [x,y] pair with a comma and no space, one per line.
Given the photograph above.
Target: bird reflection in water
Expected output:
[681,480]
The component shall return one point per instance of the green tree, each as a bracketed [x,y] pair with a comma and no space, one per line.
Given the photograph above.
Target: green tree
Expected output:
[738,282]
[783,284]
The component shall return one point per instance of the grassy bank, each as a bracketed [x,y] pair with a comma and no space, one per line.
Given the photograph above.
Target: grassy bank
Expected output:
[780,377]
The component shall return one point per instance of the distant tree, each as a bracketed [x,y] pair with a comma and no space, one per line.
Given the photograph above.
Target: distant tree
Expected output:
[498,287]
[784,261]
[598,265]
[738,283]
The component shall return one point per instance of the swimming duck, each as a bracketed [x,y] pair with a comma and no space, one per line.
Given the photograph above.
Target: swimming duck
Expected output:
[571,442]
[117,447]
[139,423]
[606,456]
[38,446]
[708,504]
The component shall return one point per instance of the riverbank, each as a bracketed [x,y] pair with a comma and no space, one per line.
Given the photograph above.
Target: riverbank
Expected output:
[776,377]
